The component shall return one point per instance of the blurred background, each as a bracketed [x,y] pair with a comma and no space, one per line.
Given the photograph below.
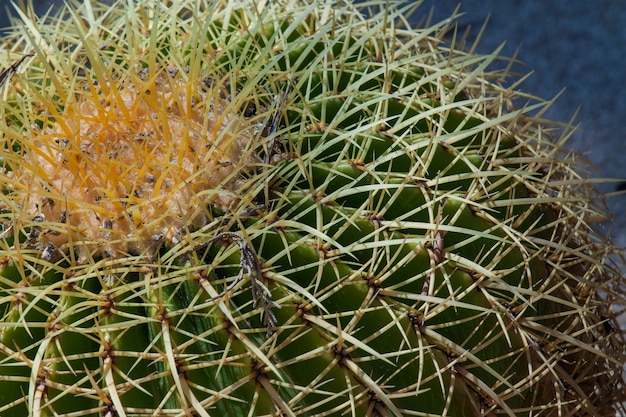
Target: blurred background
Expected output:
[578,45]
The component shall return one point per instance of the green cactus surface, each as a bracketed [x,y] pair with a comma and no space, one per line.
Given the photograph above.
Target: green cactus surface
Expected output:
[291,208]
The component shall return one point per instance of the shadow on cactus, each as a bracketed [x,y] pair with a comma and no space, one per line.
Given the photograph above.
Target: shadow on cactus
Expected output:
[293,209]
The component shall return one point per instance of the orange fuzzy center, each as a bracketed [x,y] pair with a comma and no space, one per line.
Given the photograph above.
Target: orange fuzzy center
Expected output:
[121,171]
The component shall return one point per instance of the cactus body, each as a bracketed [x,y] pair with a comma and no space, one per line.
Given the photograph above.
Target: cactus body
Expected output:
[289,208]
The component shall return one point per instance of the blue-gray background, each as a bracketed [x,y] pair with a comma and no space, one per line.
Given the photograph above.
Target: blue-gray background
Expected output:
[579,45]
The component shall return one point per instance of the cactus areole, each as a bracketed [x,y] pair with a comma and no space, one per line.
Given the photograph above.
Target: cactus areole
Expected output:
[290,208]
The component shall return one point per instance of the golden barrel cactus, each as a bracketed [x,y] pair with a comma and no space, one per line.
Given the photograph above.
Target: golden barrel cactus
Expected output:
[290,208]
